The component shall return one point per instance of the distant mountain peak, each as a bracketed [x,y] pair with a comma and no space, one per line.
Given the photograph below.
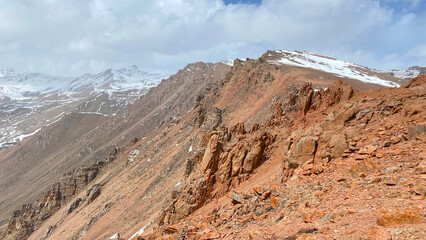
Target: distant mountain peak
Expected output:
[121,79]
[7,72]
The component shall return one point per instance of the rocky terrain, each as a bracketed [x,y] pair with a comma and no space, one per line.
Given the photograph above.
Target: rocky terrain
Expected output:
[352,171]
[83,139]
[267,149]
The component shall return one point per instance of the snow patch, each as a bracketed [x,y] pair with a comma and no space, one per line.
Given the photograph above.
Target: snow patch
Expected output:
[338,67]
[228,62]
[115,236]
[140,232]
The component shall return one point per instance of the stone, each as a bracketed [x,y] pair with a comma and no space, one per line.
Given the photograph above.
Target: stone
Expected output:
[265,195]
[50,230]
[274,202]
[302,151]
[170,230]
[390,180]
[239,129]
[236,198]
[363,168]
[236,157]
[93,194]
[211,156]
[253,157]
[367,150]
[133,154]
[309,216]
[421,168]
[390,217]
[337,146]
[414,131]
[74,205]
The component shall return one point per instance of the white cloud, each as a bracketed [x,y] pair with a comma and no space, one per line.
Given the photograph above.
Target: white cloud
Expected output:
[419,51]
[51,35]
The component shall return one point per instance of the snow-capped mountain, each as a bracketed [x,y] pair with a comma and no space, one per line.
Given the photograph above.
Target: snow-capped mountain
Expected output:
[338,67]
[408,73]
[120,79]
[25,85]
[29,101]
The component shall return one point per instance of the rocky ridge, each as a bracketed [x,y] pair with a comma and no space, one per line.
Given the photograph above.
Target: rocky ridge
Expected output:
[360,162]
[238,159]
[30,217]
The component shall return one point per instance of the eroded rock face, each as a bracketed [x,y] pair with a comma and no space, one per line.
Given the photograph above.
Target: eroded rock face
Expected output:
[23,222]
[231,156]
[211,155]
[315,146]
[308,99]
[364,148]
[225,163]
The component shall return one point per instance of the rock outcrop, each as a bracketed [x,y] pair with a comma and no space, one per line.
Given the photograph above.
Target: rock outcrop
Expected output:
[341,154]
[229,158]
[29,218]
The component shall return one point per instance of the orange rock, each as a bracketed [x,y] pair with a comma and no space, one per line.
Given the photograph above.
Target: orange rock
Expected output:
[363,168]
[210,236]
[309,216]
[170,230]
[380,154]
[258,190]
[390,180]
[376,180]
[395,139]
[360,156]
[367,150]
[274,202]
[275,188]
[398,216]
[265,195]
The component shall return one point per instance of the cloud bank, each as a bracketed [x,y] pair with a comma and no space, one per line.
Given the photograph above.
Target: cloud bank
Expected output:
[72,37]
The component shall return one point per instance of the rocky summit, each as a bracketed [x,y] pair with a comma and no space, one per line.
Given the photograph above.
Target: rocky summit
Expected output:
[291,145]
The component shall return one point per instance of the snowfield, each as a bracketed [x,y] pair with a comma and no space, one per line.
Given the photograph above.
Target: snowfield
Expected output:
[330,65]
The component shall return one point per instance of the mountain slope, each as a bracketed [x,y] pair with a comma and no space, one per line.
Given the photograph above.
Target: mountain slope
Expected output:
[340,165]
[199,134]
[49,152]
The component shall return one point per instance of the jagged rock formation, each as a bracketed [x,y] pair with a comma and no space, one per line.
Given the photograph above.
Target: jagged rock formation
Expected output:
[29,218]
[340,148]
[228,160]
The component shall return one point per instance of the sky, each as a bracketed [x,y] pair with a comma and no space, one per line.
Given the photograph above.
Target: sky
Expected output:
[73,37]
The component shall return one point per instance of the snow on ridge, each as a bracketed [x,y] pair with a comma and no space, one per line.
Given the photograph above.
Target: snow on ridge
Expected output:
[406,73]
[22,86]
[120,79]
[331,65]
[228,62]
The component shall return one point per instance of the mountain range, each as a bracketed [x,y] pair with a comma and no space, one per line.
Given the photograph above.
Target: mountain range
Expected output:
[290,145]
[30,101]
